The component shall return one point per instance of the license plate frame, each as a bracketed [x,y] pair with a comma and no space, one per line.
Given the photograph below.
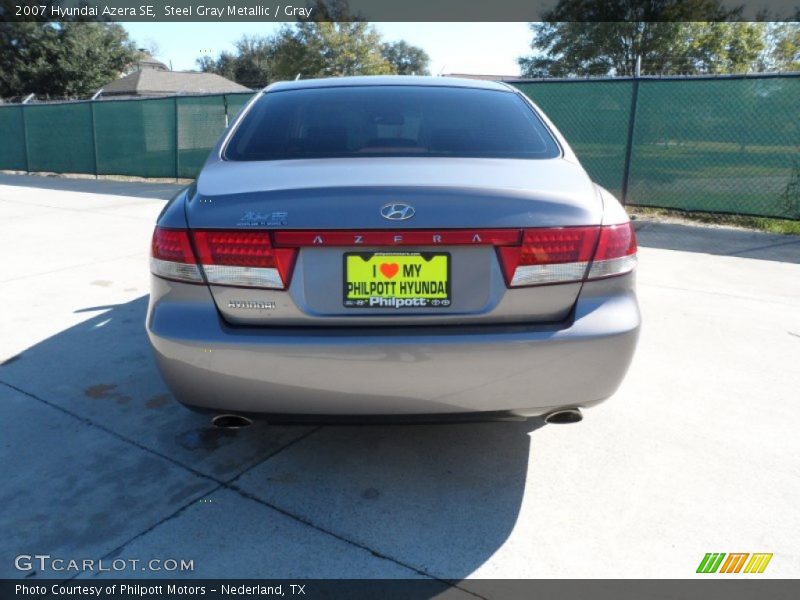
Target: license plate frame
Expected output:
[402,295]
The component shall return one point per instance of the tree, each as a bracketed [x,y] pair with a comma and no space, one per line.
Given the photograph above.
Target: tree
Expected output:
[335,49]
[580,38]
[782,51]
[309,49]
[332,43]
[405,58]
[67,60]
[251,64]
[717,48]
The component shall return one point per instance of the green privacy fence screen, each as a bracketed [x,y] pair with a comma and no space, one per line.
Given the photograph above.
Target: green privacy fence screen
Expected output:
[12,139]
[59,138]
[136,138]
[724,144]
[594,117]
[154,137]
[721,148]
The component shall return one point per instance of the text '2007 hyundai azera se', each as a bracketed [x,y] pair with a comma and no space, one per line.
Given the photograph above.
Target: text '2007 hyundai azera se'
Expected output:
[393,246]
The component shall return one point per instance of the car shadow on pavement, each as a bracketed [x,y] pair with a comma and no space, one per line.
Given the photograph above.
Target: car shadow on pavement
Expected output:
[99,460]
[721,241]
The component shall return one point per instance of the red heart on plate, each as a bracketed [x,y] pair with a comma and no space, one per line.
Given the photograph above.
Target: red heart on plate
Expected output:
[389,270]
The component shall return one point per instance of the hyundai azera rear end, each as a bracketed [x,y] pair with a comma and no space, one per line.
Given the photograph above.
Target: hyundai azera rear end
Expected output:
[394,247]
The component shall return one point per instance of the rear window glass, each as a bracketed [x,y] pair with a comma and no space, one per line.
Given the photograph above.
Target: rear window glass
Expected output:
[390,121]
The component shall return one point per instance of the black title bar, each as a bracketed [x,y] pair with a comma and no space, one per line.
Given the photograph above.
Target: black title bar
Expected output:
[710,587]
[390,10]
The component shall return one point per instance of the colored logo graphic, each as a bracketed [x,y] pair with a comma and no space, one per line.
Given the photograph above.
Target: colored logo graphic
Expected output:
[713,562]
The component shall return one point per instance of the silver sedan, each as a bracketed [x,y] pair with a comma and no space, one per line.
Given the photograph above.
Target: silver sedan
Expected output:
[393,247]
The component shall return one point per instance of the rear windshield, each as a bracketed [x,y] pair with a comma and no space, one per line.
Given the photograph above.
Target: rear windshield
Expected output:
[390,121]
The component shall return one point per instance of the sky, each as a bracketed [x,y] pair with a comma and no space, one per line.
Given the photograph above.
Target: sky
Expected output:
[453,47]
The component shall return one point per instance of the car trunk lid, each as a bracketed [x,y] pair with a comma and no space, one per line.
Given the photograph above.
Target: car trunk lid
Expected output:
[324,210]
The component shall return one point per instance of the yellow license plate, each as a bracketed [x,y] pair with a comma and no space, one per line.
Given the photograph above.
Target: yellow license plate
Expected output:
[397,280]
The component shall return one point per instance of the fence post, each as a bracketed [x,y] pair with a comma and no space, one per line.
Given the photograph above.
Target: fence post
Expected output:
[177,155]
[629,147]
[94,140]
[25,138]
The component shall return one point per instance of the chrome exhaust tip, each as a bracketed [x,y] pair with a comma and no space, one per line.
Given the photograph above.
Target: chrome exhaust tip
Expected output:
[231,422]
[560,417]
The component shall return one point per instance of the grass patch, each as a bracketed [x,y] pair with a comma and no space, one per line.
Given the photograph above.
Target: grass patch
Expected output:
[782,226]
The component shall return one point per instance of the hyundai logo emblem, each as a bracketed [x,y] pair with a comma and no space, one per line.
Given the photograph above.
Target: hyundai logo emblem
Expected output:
[397,211]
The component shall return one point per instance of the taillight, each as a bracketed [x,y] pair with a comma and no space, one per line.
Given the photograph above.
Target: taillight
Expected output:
[553,255]
[171,256]
[616,251]
[254,259]
[564,254]
[243,258]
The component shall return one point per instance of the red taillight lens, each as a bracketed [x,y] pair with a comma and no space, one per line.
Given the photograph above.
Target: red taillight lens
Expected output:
[171,256]
[244,258]
[561,255]
[251,258]
[172,245]
[616,241]
[552,255]
[550,246]
[616,251]
[235,248]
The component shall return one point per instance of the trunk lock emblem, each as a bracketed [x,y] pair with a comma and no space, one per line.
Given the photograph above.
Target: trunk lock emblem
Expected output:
[397,211]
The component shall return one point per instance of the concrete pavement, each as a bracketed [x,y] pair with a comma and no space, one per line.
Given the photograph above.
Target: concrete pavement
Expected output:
[696,453]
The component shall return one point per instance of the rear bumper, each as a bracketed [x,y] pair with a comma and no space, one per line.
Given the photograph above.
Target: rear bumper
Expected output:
[524,370]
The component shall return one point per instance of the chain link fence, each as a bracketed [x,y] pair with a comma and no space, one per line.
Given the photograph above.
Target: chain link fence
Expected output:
[725,144]
[152,137]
